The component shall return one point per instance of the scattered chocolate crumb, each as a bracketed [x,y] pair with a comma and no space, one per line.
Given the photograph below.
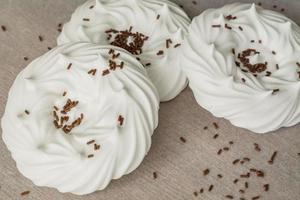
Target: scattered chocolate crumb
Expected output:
[220,176]
[59,25]
[229,196]
[27,112]
[86,19]
[25,193]
[90,142]
[271,161]
[216,136]
[211,187]
[69,66]
[3,28]
[90,155]
[206,172]
[216,125]
[154,175]
[266,187]
[157,17]
[41,38]
[160,52]
[182,139]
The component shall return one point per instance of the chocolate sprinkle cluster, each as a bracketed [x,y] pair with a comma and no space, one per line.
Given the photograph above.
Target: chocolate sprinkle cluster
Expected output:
[60,122]
[131,41]
[253,68]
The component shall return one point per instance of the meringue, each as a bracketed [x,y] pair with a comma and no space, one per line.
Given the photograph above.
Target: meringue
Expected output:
[242,62]
[80,116]
[161,23]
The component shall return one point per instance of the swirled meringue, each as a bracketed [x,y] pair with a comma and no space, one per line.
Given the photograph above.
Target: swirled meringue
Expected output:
[104,117]
[242,62]
[160,20]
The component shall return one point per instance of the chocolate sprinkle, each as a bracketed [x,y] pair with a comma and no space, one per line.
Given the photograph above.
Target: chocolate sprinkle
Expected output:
[27,112]
[210,188]
[229,196]
[25,193]
[216,125]
[182,139]
[3,28]
[206,172]
[266,187]
[86,19]
[154,175]
[271,161]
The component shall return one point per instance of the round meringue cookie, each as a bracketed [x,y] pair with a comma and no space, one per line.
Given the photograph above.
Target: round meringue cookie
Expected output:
[242,62]
[80,116]
[152,30]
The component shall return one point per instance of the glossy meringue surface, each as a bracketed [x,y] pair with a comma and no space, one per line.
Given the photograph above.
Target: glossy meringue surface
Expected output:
[104,117]
[160,20]
[242,62]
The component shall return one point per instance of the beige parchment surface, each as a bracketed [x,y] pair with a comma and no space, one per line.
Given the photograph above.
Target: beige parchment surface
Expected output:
[179,165]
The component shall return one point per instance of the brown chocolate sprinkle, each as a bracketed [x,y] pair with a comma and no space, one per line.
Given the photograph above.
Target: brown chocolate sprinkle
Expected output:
[275,91]
[27,112]
[277,66]
[3,28]
[244,80]
[298,64]
[216,125]
[252,41]
[282,9]
[229,196]
[148,64]
[216,26]
[96,147]
[49,48]
[231,142]
[201,191]
[59,29]
[256,197]
[235,161]
[219,151]
[26,58]
[274,6]
[246,184]
[64,93]
[154,175]
[226,148]
[260,4]
[177,45]
[273,52]
[220,176]
[235,181]
[230,17]
[242,191]
[105,72]
[260,173]
[69,66]
[259,41]
[25,193]
[241,28]
[121,40]
[41,38]
[211,187]
[247,175]
[92,6]
[92,72]
[90,142]
[86,19]
[233,51]
[206,172]
[266,187]
[194,2]
[205,127]
[216,136]
[195,193]
[228,27]
[121,120]
[160,52]
[182,139]
[90,155]
[168,42]
[257,147]
[157,17]
[271,161]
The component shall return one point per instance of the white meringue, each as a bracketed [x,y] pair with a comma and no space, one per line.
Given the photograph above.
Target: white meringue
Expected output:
[216,39]
[119,114]
[158,19]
